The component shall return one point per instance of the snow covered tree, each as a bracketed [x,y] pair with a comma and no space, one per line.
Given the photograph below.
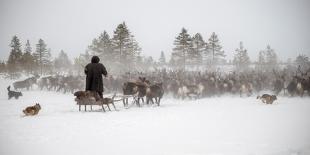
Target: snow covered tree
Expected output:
[198,47]
[182,46]
[215,50]
[42,55]
[62,62]
[15,57]
[162,58]
[241,58]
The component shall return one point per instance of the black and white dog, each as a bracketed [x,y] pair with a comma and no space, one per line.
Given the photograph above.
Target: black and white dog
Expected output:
[14,93]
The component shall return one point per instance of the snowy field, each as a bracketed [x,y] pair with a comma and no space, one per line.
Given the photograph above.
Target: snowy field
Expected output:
[212,126]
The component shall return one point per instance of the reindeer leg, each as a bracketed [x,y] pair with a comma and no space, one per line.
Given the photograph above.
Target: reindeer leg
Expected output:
[102,108]
[114,106]
[135,100]
[108,107]
[158,103]
[138,103]
[124,102]
[79,107]
[85,107]
[91,107]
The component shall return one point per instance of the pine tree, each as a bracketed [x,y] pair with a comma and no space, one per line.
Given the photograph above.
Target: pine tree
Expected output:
[126,47]
[62,62]
[121,41]
[174,59]
[28,58]
[197,49]
[148,62]
[133,52]
[81,61]
[260,64]
[86,58]
[267,59]
[42,55]
[102,47]
[271,58]
[15,58]
[182,46]
[162,58]
[241,58]
[215,49]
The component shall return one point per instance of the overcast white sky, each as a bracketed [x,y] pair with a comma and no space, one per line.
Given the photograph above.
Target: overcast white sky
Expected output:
[72,24]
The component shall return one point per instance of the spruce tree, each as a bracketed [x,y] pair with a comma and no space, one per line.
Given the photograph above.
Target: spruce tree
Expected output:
[260,65]
[241,58]
[42,55]
[215,49]
[267,59]
[162,58]
[28,58]
[132,53]
[15,57]
[62,62]
[121,41]
[81,61]
[197,49]
[125,47]
[271,57]
[182,46]
[102,47]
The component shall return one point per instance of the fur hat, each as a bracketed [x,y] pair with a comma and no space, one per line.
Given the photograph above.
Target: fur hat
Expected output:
[95,59]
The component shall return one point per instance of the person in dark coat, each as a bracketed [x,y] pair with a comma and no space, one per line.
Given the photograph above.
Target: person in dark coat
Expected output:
[94,72]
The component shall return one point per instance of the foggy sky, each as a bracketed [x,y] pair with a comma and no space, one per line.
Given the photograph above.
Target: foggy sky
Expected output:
[71,25]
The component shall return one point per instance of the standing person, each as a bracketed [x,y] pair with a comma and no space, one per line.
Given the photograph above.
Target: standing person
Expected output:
[94,71]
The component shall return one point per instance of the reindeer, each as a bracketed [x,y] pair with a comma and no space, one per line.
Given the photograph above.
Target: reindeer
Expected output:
[27,83]
[137,89]
[155,91]
[129,88]
[246,88]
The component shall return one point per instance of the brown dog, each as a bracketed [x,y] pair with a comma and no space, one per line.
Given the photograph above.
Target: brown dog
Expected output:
[32,110]
[268,99]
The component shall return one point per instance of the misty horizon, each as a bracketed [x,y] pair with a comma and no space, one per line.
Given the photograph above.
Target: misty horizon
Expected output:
[72,25]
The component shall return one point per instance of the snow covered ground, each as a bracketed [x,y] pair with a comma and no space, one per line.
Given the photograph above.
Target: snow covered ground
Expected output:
[216,126]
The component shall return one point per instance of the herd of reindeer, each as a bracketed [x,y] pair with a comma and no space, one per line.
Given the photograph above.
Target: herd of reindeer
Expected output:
[181,84]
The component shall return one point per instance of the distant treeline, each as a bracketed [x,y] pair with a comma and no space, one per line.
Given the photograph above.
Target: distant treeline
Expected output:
[122,53]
